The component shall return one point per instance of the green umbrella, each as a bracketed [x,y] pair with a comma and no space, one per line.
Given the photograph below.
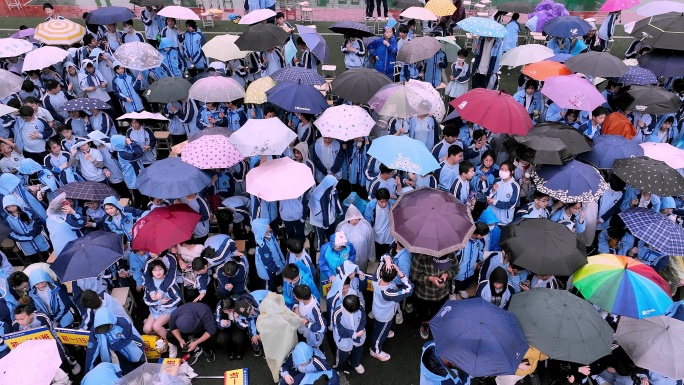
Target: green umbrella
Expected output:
[449,47]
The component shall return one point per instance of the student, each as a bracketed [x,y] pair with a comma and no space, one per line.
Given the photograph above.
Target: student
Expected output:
[513,29]
[232,278]
[120,219]
[273,59]
[298,256]
[51,299]
[448,172]
[92,82]
[63,223]
[193,40]
[530,97]
[306,306]
[470,258]
[328,158]
[11,158]
[384,50]
[128,155]
[354,51]
[27,229]
[294,275]
[50,13]
[67,132]
[147,16]
[325,207]
[385,180]
[100,121]
[269,257]
[425,129]
[129,34]
[112,333]
[145,138]
[461,186]
[200,266]
[30,134]
[194,319]
[349,330]
[211,115]
[496,289]
[460,74]
[171,32]
[538,208]
[334,254]
[432,68]
[610,202]
[230,335]
[592,128]
[305,362]
[171,56]
[56,98]
[572,212]
[616,240]
[308,60]
[398,126]
[377,214]
[236,116]
[91,301]
[305,129]
[485,67]
[441,149]
[126,89]
[504,194]
[88,161]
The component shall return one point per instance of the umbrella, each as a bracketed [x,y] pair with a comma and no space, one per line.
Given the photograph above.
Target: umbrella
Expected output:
[143,115]
[419,49]
[403,153]
[43,57]
[109,15]
[623,286]
[87,191]
[223,131]
[171,178]
[5,109]
[316,44]
[351,28]
[483,27]
[543,247]
[178,12]
[538,149]
[449,47]
[661,31]
[663,62]
[595,63]
[647,99]
[59,32]
[665,152]
[559,58]
[256,91]
[545,69]
[223,48]
[210,152]
[515,7]
[478,337]
[476,106]
[608,148]
[638,75]
[88,256]
[216,89]
[344,122]
[24,33]
[85,104]
[572,182]
[168,90]
[262,137]
[279,179]
[402,100]
[419,13]
[11,83]
[260,37]
[618,5]
[659,7]
[654,343]
[526,54]
[649,175]
[297,97]
[657,230]
[138,56]
[562,325]
[567,26]
[437,108]
[164,227]
[358,85]
[10,47]
[575,141]
[301,74]
[257,16]
[404,4]
[441,7]
[572,92]
[33,362]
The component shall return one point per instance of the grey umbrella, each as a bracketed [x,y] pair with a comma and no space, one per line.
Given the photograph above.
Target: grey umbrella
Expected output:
[420,48]
[9,83]
[561,325]
[260,37]
[168,90]
[359,85]
[594,63]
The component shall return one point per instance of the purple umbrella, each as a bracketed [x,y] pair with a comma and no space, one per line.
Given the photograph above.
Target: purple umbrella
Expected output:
[109,15]
[663,62]
[28,32]
[572,92]
[431,222]
[315,42]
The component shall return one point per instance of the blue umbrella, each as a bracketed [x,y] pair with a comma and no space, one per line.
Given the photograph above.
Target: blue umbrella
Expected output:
[88,256]
[109,15]
[663,62]
[85,104]
[482,26]
[560,57]
[608,148]
[302,74]
[572,182]
[171,178]
[655,229]
[297,97]
[479,338]
[317,46]
[567,26]
[403,153]
[638,75]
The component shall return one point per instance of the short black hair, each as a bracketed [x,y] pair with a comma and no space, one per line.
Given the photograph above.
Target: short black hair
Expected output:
[87,39]
[154,264]
[191,23]
[489,153]
[479,133]
[404,29]
[302,292]
[199,264]
[532,83]
[51,84]
[27,86]
[382,194]
[48,6]
[90,300]
[539,195]
[17,278]
[450,129]
[27,309]
[31,99]
[230,268]
[291,271]
[294,245]
[14,103]
[26,112]
[616,232]
[481,228]
[351,303]
[208,253]
[384,169]
[279,15]
[388,275]
[300,41]
[227,304]
[600,110]
[454,149]
[128,22]
[515,16]
[463,52]
[465,167]
[268,107]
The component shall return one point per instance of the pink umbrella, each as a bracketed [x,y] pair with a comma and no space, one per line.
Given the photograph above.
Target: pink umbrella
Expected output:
[572,92]
[211,151]
[671,155]
[33,362]
[279,179]
[618,5]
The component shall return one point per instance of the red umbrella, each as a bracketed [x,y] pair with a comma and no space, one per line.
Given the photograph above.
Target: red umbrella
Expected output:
[164,227]
[494,110]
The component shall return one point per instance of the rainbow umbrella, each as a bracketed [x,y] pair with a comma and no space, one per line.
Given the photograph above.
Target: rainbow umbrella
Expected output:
[623,286]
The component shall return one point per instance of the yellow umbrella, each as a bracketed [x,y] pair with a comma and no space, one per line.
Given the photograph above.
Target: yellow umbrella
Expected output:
[59,32]
[441,7]
[256,92]
[223,48]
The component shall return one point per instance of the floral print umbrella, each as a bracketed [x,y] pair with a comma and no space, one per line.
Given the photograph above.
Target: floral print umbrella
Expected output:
[262,137]
[211,151]
[138,56]
[344,122]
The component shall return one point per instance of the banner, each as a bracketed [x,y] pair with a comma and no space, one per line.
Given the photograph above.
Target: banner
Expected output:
[236,377]
[15,339]
[73,337]
[170,365]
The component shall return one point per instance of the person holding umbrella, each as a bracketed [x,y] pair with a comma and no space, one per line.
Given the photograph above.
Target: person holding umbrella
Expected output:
[592,128]
[145,138]
[308,60]
[496,289]
[126,89]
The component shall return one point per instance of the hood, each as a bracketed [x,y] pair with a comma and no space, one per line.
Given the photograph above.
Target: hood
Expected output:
[104,316]
[301,353]
[95,53]
[100,138]
[55,206]
[68,64]
[304,149]
[259,227]
[187,322]
[8,183]
[96,284]
[38,276]
[29,166]
[348,267]
[352,213]
[498,275]
[667,203]
[84,63]
[326,183]
[9,200]
[118,142]
[81,142]
[165,42]
[488,217]
[111,200]
[104,373]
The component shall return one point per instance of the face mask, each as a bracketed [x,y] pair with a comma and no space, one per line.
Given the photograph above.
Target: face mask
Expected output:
[505,174]
[359,144]
[498,291]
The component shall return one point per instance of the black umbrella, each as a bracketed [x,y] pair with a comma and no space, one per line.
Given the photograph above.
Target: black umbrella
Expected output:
[646,99]
[403,4]
[543,247]
[595,63]
[538,149]
[359,85]
[575,141]
[663,62]
[661,31]
[515,7]
[649,175]
[260,37]
[168,90]
[351,28]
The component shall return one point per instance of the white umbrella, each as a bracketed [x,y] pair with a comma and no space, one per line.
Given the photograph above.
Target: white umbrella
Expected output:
[143,115]
[216,89]
[526,54]
[43,57]
[257,16]
[5,109]
[10,47]
[344,122]
[419,13]
[178,12]
[138,56]
[262,137]
[659,7]
[223,48]
[9,83]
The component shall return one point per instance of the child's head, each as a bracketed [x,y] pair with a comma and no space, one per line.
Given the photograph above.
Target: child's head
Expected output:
[53,86]
[388,276]
[466,170]
[506,170]
[387,33]
[302,293]
[157,269]
[48,9]
[571,116]
[24,314]
[66,131]
[53,147]
[351,303]
[291,273]
[119,69]
[480,136]
[301,43]
[294,246]
[599,115]
[531,86]
[613,86]
[667,124]
[403,31]
[450,133]
[26,113]
[541,200]
[227,305]
[481,230]
[200,265]
[94,206]
[383,196]
[616,232]
[111,209]
[455,154]
[170,22]
[462,54]
[385,172]
[488,158]
[280,18]
[190,25]
[32,102]
[90,300]
[230,268]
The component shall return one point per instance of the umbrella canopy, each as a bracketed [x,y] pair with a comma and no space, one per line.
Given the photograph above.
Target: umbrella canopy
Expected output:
[262,137]
[164,227]
[483,26]
[85,104]
[638,75]
[623,285]
[138,56]
[618,5]
[419,49]
[572,182]
[572,92]
[256,91]
[441,7]
[279,179]
[4,110]
[216,89]
[671,155]
[404,4]
[419,13]
[478,337]
[223,131]
[171,178]
[298,74]
[257,16]
[344,122]
[543,247]
[24,33]
[88,256]
[10,47]
[545,69]
[32,362]
[351,28]
[476,106]
[109,15]
[663,62]
[358,85]
[515,7]
[659,7]
[657,230]
[526,54]
[538,149]
[449,47]
[654,343]
[609,148]
[575,141]
[562,325]
[647,99]
[403,100]
[168,90]
[560,58]
[297,97]
[437,109]
[59,32]
[403,153]
[87,191]
[567,26]
[178,12]
[661,31]
[649,175]
[595,63]
[223,48]
[260,37]
[11,83]
[211,152]
[316,44]
[43,57]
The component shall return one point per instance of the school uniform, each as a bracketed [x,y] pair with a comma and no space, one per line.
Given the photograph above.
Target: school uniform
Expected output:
[505,199]
[609,205]
[274,61]
[441,149]
[238,280]
[144,137]
[446,175]
[327,159]
[346,325]
[314,330]
[101,122]
[54,102]
[590,130]
[425,130]
[385,302]
[192,49]
[354,59]
[126,87]
[461,190]
[531,211]
[269,257]
[468,257]
[620,248]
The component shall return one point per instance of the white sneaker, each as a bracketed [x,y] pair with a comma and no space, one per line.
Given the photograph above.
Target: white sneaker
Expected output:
[464,294]
[360,369]
[390,334]
[399,318]
[173,351]
[382,356]
[370,315]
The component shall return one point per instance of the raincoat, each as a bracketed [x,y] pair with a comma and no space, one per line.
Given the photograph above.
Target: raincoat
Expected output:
[360,235]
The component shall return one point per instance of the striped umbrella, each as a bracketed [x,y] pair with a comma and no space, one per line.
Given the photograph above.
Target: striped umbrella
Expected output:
[59,32]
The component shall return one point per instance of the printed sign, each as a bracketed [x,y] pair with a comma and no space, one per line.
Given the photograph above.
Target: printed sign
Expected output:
[73,337]
[15,339]
[236,377]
